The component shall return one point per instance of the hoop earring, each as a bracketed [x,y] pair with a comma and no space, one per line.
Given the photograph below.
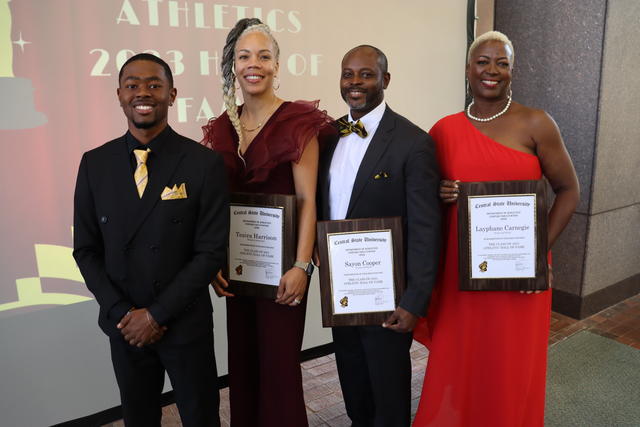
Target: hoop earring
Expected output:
[468,88]
[276,80]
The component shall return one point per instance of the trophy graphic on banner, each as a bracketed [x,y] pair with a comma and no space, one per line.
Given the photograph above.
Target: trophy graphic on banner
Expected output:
[20,113]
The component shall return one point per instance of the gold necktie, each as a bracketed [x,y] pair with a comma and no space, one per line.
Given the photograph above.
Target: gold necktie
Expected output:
[141,175]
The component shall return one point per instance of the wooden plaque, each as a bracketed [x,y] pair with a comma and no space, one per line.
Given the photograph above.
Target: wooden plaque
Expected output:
[286,204]
[504,244]
[354,229]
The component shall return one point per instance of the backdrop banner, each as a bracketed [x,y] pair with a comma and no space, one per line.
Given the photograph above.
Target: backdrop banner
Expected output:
[59,63]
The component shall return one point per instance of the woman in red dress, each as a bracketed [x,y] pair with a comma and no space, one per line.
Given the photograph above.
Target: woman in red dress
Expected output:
[488,349]
[269,146]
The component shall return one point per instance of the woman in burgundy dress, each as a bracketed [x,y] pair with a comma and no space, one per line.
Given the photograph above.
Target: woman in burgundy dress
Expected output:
[269,146]
[488,349]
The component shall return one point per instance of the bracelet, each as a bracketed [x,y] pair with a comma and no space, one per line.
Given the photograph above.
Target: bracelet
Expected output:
[150,322]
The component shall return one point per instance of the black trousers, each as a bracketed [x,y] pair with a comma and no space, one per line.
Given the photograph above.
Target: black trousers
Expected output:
[192,371]
[374,367]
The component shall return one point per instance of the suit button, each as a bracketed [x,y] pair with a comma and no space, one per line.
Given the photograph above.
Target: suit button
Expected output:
[156,284]
[154,248]
[176,220]
[104,219]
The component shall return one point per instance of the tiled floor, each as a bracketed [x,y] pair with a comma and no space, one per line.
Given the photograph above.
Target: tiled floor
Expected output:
[620,322]
[325,406]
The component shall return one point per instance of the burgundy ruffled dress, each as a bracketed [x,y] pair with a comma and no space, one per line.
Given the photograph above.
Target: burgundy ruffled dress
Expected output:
[268,158]
[264,338]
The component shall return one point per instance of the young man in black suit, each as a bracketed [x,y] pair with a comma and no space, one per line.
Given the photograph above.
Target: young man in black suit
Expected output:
[151,222]
[382,165]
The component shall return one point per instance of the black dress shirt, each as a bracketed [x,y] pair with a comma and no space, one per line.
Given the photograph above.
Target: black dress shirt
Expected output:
[155,145]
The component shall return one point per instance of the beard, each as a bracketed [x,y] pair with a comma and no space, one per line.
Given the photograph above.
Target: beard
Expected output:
[372,96]
[145,125]
[359,104]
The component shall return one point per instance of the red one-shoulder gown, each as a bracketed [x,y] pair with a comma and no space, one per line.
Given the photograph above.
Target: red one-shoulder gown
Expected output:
[487,350]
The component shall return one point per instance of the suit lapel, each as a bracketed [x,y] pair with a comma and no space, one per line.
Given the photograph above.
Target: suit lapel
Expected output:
[161,172]
[120,170]
[378,145]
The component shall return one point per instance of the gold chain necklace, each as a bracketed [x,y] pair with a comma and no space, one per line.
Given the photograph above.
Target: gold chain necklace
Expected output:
[269,111]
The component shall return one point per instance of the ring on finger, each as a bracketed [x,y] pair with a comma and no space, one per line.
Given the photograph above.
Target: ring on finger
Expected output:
[297,301]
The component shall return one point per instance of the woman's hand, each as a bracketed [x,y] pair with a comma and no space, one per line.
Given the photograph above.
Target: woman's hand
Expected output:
[449,191]
[220,285]
[293,286]
[550,276]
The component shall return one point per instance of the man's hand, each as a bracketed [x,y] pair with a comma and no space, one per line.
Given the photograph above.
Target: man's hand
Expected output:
[401,321]
[139,328]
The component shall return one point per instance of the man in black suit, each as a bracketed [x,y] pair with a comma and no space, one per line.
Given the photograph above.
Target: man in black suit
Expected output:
[148,247]
[382,166]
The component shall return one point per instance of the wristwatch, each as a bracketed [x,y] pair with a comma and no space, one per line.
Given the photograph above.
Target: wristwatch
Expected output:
[306,266]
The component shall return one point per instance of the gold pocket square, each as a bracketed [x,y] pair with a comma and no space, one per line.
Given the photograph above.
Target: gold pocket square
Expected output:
[380,175]
[175,192]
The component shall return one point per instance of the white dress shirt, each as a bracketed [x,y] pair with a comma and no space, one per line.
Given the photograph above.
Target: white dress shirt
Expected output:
[346,161]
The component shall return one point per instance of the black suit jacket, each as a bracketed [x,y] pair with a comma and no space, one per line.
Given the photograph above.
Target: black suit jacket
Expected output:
[407,155]
[153,253]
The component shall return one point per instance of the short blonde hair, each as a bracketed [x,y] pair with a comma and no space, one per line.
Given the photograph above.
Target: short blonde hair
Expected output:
[491,36]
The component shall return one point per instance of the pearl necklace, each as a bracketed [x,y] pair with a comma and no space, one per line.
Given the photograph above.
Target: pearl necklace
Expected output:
[488,119]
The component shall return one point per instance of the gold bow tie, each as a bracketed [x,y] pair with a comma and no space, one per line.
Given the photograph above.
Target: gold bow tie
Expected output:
[345,127]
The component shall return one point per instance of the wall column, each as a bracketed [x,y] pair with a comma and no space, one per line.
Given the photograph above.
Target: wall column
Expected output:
[579,60]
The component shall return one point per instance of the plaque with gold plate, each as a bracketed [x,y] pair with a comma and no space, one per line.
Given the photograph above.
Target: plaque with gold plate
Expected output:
[502,236]
[262,242]
[361,270]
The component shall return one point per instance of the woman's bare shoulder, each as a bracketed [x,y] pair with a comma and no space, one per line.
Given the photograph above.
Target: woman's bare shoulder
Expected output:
[534,117]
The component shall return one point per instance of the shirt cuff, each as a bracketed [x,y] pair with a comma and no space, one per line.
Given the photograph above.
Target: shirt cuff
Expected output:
[411,307]
[119,310]
[159,314]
